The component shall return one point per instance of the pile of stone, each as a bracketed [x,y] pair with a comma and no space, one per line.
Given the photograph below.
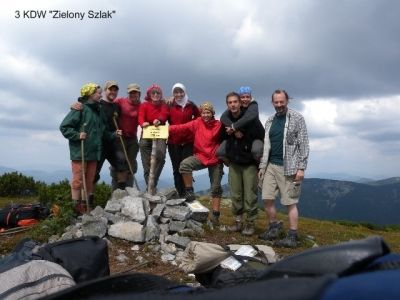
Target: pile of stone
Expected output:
[163,220]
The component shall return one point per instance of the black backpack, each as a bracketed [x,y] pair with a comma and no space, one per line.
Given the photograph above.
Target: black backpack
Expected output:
[11,216]
[84,258]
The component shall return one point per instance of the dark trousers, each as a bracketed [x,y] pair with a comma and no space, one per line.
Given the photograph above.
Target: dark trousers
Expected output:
[177,153]
[109,153]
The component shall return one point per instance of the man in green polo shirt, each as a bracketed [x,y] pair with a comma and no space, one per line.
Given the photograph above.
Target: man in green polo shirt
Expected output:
[282,166]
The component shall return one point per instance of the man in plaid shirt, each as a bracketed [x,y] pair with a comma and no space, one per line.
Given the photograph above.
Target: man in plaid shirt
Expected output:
[282,167]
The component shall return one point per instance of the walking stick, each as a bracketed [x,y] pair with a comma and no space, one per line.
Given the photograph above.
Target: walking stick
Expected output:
[151,188]
[123,147]
[84,195]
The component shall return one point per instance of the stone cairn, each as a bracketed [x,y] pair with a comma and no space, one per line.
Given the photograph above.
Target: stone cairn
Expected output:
[163,220]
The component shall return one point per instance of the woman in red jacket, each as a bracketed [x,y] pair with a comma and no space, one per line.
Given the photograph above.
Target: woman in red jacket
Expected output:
[207,136]
[180,146]
[153,111]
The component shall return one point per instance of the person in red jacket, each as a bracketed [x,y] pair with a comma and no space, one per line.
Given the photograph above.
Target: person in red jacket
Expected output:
[180,146]
[153,111]
[128,122]
[207,136]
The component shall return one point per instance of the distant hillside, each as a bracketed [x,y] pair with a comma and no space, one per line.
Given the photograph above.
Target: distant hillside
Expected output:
[332,200]
[202,180]
[392,180]
[377,202]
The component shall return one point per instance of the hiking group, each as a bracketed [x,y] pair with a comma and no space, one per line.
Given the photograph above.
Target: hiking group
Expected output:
[271,157]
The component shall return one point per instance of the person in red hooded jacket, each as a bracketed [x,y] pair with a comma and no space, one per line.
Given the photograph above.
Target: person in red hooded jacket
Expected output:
[207,137]
[153,111]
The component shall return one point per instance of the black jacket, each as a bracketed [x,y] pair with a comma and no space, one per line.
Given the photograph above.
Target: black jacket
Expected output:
[239,150]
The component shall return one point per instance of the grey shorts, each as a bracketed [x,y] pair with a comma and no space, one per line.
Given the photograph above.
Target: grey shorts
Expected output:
[192,163]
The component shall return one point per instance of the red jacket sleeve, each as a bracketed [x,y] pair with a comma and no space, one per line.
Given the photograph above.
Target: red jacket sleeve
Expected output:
[164,114]
[182,129]
[142,113]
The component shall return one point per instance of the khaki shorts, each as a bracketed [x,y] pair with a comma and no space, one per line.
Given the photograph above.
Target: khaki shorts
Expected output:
[275,182]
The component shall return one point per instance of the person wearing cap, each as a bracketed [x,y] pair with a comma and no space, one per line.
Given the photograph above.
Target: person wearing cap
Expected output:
[242,167]
[180,146]
[128,122]
[153,111]
[206,131]
[87,125]
[250,114]
[108,110]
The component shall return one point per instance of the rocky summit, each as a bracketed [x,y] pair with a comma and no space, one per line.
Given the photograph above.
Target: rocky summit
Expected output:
[164,220]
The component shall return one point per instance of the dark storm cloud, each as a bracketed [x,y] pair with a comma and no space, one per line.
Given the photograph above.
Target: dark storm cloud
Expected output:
[313,49]
[341,48]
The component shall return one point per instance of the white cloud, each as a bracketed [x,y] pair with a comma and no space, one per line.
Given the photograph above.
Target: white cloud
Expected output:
[321,116]
[249,33]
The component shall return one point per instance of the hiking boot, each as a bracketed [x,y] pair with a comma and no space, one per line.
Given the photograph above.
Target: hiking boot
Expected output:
[215,218]
[91,201]
[248,229]
[80,208]
[121,185]
[290,241]
[189,195]
[274,231]
[237,227]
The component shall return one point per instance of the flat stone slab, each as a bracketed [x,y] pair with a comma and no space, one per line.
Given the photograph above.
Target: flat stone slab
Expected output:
[119,194]
[133,192]
[155,198]
[133,208]
[179,241]
[198,211]
[168,193]
[157,210]
[113,206]
[179,213]
[94,226]
[177,226]
[130,231]
[173,202]
[196,226]
[98,211]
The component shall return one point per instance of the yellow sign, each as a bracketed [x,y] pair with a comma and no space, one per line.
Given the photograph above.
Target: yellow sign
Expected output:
[153,132]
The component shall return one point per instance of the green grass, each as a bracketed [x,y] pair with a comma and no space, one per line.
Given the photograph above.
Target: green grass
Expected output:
[322,232]
[6,201]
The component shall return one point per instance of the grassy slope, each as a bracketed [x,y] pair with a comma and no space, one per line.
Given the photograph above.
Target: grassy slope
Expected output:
[324,232]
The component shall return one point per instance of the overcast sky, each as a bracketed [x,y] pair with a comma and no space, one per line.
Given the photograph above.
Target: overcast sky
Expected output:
[339,60]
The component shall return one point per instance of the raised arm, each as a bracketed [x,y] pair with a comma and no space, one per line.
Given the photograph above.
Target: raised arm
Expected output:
[250,115]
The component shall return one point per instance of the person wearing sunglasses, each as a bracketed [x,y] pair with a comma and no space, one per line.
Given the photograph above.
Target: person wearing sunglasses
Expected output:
[153,111]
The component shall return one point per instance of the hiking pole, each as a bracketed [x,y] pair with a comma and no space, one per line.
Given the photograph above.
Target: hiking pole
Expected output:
[151,187]
[84,195]
[115,116]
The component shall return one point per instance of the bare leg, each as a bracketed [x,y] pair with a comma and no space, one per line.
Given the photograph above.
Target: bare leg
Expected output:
[270,210]
[216,203]
[293,215]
